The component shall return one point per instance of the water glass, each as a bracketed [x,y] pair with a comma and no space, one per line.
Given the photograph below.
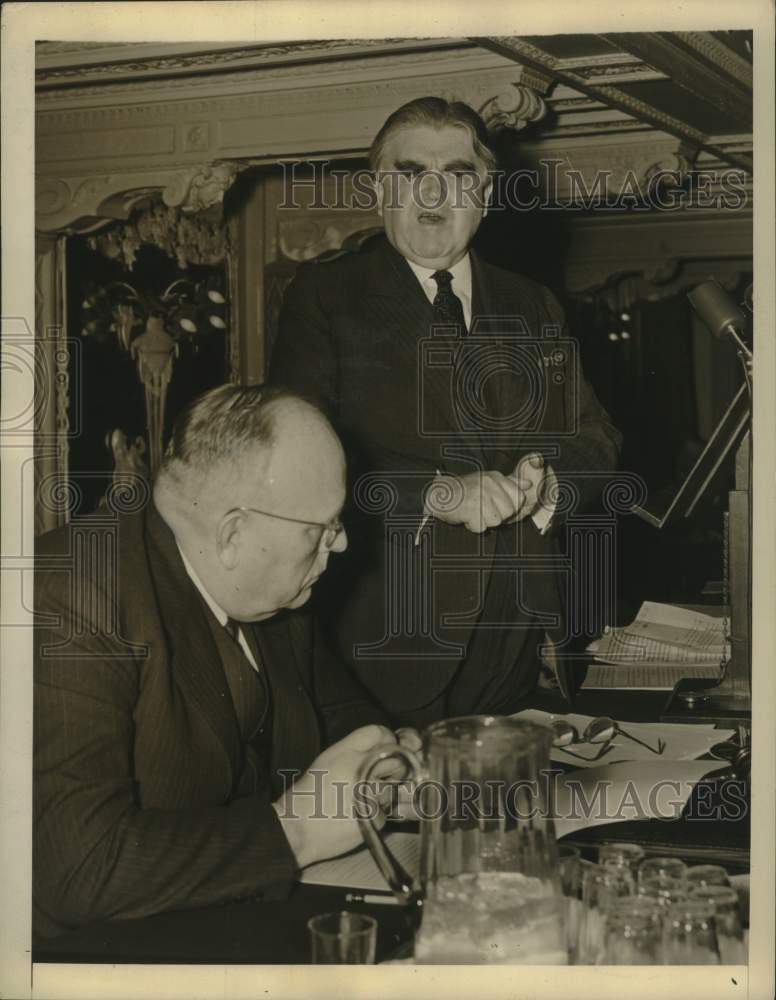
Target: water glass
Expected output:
[664,889]
[702,875]
[672,867]
[690,934]
[621,856]
[730,933]
[601,885]
[570,870]
[633,932]
[343,938]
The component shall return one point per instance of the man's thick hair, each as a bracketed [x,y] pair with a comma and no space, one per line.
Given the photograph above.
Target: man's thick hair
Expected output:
[221,424]
[438,113]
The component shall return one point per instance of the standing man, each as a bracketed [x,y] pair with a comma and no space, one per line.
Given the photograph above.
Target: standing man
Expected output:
[435,368]
[183,699]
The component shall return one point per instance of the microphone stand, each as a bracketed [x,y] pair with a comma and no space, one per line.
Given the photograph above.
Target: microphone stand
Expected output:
[729,699]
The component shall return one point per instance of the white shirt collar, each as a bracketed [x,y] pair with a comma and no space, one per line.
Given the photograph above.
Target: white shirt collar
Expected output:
[461,272]
[221,615]
[462,283]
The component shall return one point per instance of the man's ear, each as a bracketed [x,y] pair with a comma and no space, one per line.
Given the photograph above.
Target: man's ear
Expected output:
[379,186]
[487,194]
[228,536]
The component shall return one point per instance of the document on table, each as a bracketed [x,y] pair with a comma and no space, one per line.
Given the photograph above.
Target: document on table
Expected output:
[682,742]
[591,796]
[357,869]
[663,645]
[644,676]
[616,793]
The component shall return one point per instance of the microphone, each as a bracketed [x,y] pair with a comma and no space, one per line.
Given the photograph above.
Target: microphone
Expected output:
[719,312]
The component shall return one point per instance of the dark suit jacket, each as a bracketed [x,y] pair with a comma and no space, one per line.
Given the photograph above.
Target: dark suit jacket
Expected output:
[356,334]
[145,797]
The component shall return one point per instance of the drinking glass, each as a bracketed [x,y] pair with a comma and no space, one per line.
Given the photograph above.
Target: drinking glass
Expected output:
[343,938]
[673,867]
[665,889]
[730,933]
[633,932]
[621,856]
[601,885]
[690,934]
[570,869]
[700,875]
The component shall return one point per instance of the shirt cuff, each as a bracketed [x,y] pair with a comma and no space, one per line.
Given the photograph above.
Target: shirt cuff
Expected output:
[544,513]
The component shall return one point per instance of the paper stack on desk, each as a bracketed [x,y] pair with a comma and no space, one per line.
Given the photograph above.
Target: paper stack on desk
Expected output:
[619,793]
[682,742]
[664,644]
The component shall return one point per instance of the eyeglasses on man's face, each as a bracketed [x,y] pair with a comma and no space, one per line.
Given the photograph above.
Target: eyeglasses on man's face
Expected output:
[331,529]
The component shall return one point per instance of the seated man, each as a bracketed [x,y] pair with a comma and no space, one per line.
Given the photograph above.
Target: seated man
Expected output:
[179,691]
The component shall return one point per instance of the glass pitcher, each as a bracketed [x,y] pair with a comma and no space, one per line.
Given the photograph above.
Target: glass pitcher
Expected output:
[489,888]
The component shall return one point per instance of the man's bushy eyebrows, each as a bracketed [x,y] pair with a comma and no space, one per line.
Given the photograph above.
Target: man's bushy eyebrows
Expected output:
[401,165]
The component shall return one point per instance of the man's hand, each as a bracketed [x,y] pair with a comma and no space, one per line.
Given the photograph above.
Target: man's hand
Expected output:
[529,477]
[409,738]
[478,501]
[318,812]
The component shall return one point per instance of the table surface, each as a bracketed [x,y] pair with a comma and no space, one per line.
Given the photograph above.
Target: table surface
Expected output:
[256,932]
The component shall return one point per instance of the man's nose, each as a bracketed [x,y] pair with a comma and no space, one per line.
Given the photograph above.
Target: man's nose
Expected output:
[432,190]
[340,542]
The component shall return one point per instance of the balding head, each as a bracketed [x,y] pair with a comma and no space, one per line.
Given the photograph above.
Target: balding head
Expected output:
[250,478]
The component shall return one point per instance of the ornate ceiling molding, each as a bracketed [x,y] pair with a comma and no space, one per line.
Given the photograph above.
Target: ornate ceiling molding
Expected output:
[705,80]
[101,149]
[705,44]
[289,77]
[269,124]
[99,62]
[573,75]
[570,171]
[664,254]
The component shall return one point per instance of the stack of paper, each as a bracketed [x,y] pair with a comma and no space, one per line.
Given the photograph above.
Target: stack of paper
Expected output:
[607,793]
[617,793]
[663,645]
[680,742]
[357,869]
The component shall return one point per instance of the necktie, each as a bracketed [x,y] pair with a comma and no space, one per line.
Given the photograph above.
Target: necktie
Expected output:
[448,310]
[233,628]
[248,687]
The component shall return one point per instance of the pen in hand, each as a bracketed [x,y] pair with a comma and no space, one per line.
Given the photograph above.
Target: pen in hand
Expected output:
[424,522]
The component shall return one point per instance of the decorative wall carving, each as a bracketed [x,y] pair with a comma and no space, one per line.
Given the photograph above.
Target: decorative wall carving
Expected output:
[201,188]
[656,257]
[513,108]
[52,425]
[185,238]
[569,171]
[196,137]
[52,195]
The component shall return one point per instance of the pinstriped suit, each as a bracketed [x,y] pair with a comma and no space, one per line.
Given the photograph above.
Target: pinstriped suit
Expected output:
[145,797]
[454,637]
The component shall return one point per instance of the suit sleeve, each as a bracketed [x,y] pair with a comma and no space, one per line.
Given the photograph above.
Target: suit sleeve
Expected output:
[343,703]
[97,852]
[304,357]
[587,456]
